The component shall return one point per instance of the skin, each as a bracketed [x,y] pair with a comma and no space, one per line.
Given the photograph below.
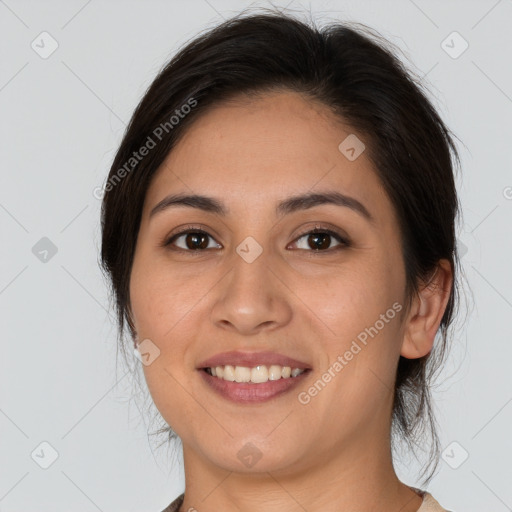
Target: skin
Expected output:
[334,452]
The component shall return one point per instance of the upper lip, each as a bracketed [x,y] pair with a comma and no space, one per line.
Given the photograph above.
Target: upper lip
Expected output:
[250,359]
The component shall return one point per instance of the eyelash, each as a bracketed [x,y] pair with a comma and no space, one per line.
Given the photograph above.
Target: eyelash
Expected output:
[344,242]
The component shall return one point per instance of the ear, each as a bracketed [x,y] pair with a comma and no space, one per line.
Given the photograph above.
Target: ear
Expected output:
[426,313]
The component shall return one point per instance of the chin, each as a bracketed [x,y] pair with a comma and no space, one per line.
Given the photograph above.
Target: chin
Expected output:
[251,455]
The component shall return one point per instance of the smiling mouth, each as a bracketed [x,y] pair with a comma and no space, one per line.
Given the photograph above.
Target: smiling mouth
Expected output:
[252,385]
[256,375]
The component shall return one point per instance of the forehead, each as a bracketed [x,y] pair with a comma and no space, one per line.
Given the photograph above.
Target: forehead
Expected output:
[259,150]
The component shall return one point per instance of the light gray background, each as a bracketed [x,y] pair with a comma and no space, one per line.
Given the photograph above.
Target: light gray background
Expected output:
[61,121]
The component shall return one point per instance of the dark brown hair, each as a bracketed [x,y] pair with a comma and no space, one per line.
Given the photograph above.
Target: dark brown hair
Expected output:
[355,73]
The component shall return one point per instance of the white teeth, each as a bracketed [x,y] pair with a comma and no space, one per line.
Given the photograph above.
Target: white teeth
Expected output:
[229,373]
[259,374]
[275,372]
[256,375]
[242,374]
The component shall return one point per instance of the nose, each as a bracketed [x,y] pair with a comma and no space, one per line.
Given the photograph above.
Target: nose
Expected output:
[252,297]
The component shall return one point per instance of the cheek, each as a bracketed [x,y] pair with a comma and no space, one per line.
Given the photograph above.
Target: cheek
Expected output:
[357,318]
[164,309]
[362,344]
[161,297]
[352,298]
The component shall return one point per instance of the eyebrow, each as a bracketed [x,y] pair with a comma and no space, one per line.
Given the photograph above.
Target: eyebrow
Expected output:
[285,207]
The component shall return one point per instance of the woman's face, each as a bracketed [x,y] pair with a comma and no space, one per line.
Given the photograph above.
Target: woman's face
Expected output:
[257,282]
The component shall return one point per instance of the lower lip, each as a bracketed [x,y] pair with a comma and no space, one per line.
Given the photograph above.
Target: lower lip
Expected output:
[248,392]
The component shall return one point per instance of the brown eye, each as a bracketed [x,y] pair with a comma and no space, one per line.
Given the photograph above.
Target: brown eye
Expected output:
[320,240]
[192,240]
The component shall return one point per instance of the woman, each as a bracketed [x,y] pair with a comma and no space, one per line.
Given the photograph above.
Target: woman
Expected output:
[278,228]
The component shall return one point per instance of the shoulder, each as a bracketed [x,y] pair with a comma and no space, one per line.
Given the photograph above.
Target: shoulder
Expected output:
[430,504]
[175,505]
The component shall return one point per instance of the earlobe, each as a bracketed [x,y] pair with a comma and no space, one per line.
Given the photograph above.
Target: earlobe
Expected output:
[426,313]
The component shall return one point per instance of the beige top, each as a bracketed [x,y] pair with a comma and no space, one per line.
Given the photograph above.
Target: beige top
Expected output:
[429,503]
